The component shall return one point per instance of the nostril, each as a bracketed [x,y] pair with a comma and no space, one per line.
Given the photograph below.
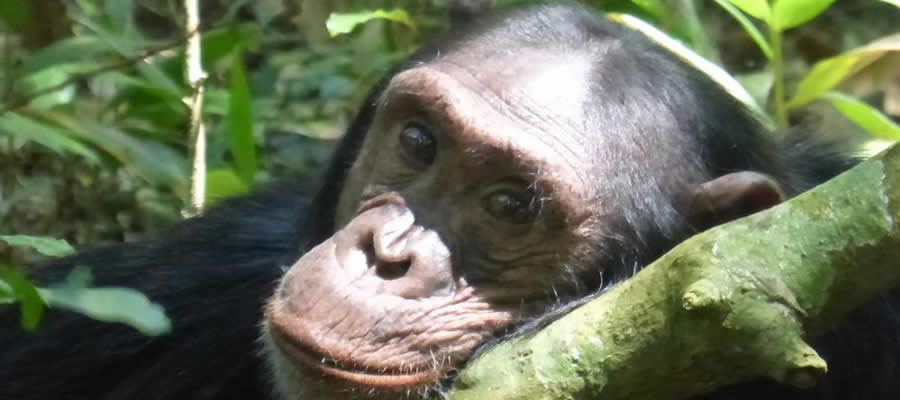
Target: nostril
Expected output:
[386,270]
[391,270]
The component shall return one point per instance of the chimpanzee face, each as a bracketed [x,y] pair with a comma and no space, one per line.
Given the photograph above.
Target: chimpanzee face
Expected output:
[463,214]
[490,186]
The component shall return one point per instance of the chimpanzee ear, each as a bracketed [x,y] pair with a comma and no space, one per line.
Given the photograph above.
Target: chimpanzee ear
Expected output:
[731,196]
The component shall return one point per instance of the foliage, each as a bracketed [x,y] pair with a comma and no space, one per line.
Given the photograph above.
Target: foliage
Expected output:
[782,15]
[109,304]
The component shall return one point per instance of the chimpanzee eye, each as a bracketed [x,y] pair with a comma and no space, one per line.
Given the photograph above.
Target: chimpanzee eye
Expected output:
[511,207]
[418,144]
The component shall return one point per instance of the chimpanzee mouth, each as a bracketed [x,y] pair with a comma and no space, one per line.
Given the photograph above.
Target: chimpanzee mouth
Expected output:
[380,377]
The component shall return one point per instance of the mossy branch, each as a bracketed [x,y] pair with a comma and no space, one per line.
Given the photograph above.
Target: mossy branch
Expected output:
[731,304]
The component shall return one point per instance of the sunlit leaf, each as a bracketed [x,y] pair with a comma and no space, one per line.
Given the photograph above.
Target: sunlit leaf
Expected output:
[30,302]
[223,183]
[756,8]
[825,75]
[895,3]
[828,73]
[108,304]
[341,23]
[656,8]
[748,26]
[47,246]
[787,14]
[46,79]
[867,117]
[240,121]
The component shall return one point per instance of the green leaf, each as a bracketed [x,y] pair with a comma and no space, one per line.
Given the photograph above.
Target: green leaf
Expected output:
[756,8]
[341,23]
[155,161]
[223,183]
[656,8]
[120,13]
[30,302]
[52,137]
[45,79]
[825,75]
[828,73]
[748,26]
[787,14]
[108,304]
[65,51]
[240,121]
[47,246]
[14,13]
[895,3]
[716,73]
[869,118]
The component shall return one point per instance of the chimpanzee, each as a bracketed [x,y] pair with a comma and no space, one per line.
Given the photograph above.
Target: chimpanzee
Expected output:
[513,168]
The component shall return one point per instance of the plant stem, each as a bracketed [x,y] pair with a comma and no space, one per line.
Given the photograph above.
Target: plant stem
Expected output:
[778,71]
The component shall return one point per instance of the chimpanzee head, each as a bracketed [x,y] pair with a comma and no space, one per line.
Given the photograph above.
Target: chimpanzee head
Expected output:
[504,172]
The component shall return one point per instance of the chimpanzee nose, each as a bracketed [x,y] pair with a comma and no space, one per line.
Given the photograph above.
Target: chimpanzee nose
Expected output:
[409,260]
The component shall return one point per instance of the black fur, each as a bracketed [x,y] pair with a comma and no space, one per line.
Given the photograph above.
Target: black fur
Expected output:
[213,273]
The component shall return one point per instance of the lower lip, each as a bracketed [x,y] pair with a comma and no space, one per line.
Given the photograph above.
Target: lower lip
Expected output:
[395,382]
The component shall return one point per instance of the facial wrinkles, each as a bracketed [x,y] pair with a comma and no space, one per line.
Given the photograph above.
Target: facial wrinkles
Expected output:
[517,133]
[548,93]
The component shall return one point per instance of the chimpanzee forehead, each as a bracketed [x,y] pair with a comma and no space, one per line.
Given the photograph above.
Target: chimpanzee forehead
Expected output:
[533,103]
[524,113]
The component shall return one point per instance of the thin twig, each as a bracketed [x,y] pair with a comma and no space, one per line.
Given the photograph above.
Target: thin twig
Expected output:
[197,131]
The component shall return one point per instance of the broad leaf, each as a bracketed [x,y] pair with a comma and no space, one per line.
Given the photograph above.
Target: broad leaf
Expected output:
[341,23]
[828,73]
[65,51]
[14,285]
[240,121]
[108,304]
[873,121]
[155,161]
[825,75]
[756,8]
[787,14]
[47,246]
[52,137]
[223,183]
